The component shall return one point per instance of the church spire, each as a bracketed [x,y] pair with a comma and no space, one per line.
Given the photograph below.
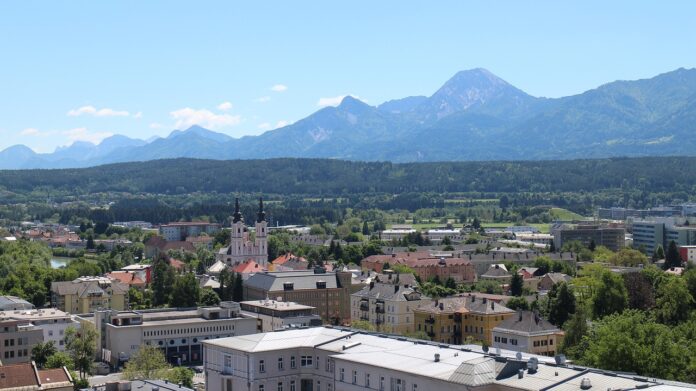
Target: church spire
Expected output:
[237,216]
[261,216]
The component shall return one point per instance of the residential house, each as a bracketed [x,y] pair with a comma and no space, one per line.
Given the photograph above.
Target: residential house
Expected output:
[550,279]
[527,332]
[87,294]
[388,307]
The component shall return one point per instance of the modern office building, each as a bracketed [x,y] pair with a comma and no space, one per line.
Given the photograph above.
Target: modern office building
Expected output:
[19,337]
[179,332]
[278,315]
[326,359]
[650,234]
[611,236]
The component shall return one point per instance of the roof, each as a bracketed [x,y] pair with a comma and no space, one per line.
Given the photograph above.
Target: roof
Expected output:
[126,278]
[277,305]
[464,305]
[14,303]
[558,277]
[305,279]
[217,267]
[527,322]
[389,292]
[248,266]
[495,271]
[83,287]
[27,377]
[284,258]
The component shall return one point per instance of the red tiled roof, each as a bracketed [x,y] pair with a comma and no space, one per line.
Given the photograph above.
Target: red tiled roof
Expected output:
[177,264]
[286,257]
[126,277]
[248,266]
[50,376]
[17,375]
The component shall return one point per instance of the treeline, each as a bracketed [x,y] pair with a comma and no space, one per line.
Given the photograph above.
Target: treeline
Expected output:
[337,177]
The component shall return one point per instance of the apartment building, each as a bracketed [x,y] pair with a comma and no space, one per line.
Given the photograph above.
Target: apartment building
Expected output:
[179,231]
[528,332]
[329,293]
[179,332]
[650,234]
[327,359]
[278,315]
[389,307]
[52,322]
[18,338]
[88,294]
[456,319]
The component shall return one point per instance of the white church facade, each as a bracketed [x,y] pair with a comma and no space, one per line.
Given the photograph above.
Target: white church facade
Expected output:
[241,248]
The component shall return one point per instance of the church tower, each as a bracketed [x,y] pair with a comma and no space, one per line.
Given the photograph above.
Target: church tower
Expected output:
[237,235]
[261,240]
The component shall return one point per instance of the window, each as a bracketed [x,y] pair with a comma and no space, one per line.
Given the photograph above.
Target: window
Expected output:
[367,380]
[261,387]
[280,363]
[329,386]
[550,342]
[328,365]
[355,377]
[228,361]
[381,383]
[513,341]
[398,385]
[280,386]
[262,366]
[341,375]
[306,361]
[292,362]
[504,340]
[316,363]
[415,387]
[292,385]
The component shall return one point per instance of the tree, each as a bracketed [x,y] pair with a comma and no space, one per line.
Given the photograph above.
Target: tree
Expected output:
[450,283]
[42,351]
[226,282]
[209,297]
[690,277]
[186,292]
[59,360]
[181,375]
[592,245]
[628,257]
[162,281]
[611,295]
[672,258]
[81,345]
[147,363]
[641,295]
[362,325]
[238,291]
[518,303]
[90,243]
[673,301]
[575,329]
[561,303]
[365,229]
[516,284]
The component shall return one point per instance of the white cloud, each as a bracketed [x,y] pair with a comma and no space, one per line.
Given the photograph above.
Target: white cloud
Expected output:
[224,106]
[30,132]
[281,123]
[279,88]
[155,125]
[91,110]
[264,126]
[188,117]
[138,115]
[82,134]
[336,100]
[262,99]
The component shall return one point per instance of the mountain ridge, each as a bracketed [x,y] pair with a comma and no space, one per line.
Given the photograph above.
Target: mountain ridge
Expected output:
[474,115]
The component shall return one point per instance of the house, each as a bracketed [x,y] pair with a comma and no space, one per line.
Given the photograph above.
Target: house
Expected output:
[497,273]
[388,307]
[87,294]
[157,245]
[142,271]
[182,230]
[247,268]
[128,278]
[19,337]
[528,332]
[27,377]
[550,279]
[426,265]
[528,272]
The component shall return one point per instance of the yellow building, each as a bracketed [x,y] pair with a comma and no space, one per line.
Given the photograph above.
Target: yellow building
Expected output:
[454,320]
[87,294]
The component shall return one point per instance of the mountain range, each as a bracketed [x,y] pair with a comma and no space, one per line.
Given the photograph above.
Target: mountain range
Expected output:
[475,115]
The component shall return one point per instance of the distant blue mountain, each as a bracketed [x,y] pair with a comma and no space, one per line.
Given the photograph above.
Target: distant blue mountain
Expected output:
[474,116]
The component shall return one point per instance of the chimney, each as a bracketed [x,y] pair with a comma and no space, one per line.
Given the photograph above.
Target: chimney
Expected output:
[372,284]
[492,304]
[520,373]
[437,357]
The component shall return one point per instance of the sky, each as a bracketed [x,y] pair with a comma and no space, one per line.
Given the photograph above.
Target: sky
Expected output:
[85,70]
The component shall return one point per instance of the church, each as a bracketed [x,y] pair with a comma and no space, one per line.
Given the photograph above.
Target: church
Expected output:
[241,248]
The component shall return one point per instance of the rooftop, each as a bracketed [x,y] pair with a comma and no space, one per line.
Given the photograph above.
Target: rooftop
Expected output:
[526,322]
[277,305]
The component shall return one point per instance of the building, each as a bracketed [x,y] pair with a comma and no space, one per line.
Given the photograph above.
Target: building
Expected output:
[88,294]
[241,247]
[278,315]
[611,236]
[27,377]
[130,279]
[50,321]
[142,271]
[157,245]
[650,234]
[388,307]
[550,279]
[329,293]
[397,232]
[19,337]
[456,319]
[537,238]
[179,231]
[528,332]
[426,265]
[179,332]
[12,303]
[325,359]
[438,235]
[133,224]
[688,253]
[140,385]
[497,273]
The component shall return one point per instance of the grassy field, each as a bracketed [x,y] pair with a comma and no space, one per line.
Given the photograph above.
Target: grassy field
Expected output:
[564,214]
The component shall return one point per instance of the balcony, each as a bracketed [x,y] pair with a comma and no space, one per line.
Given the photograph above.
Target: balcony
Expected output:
[364,307]
[430,320]
[379,310]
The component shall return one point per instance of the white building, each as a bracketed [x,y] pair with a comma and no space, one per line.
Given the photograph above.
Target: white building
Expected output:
[241,248]
[327,359]
[178,231]
[395,234]
[438,235]
[50,321]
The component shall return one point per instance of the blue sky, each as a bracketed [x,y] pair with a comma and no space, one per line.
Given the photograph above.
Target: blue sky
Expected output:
[83,70]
